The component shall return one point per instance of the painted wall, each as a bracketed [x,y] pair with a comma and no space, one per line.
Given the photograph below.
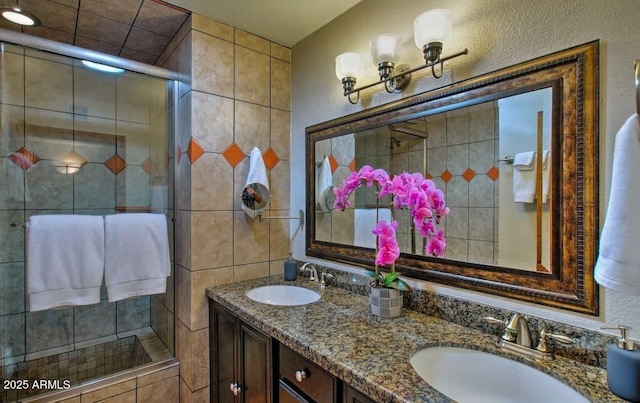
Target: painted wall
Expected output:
[497,33]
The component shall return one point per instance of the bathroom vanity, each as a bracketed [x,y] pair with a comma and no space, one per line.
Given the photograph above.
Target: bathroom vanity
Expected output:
[334,350]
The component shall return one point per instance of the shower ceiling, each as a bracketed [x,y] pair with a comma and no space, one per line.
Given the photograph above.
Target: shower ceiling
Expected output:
[134,29]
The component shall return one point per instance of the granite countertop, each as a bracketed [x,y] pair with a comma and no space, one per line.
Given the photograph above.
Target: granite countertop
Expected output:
[339,334]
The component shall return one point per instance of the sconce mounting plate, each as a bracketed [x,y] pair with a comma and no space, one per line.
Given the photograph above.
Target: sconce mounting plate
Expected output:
[402,80]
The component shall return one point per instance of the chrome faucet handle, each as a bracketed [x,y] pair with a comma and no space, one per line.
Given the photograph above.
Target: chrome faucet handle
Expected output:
[491,319]
[542,344]
[323,279]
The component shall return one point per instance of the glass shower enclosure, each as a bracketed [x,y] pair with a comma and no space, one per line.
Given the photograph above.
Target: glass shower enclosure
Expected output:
[75,140]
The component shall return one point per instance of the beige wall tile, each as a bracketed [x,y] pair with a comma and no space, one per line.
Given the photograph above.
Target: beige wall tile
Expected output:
[12,124]
[280,133]
[212,65]
[158,376]
[252,127]
[183,301]
[163,391]
[109,391]
[41,90]
[252,76]
[200,280]
[250,271]
[94,93]
[276,267]
[133,144]
[132,98]
[200,360]
[279,243]
[49,134]
[183,339]
[186,396]
[211,183]
[183,238]
[211,27]
[184,121]
[280,186]
[280,84]
[251,239]
[184,182]
[201,395]
[212,121]
[75,399]
[127,397]
[211,238]
[13,78]
[280,52]
[252,42]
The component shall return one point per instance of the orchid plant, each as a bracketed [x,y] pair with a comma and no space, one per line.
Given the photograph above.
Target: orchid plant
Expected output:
[420,196]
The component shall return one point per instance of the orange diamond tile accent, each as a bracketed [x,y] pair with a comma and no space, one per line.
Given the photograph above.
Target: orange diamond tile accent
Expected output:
[270,158]
[352,165]
[116,164]
[468,174]
[24,158]
[334,163]
[428,176]
[178,155]
[194,151]
[146,166]
[446,176]
[493,173]
[233,154]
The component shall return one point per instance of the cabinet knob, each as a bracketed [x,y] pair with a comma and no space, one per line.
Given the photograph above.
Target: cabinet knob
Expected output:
[301,375]
[235,388]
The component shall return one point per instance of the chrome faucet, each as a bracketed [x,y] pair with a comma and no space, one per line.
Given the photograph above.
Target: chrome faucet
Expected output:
[323,279]
[517,331]
[517,338]
[311,268]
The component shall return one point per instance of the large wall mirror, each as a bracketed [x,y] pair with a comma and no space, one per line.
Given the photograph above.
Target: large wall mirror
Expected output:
[515,153]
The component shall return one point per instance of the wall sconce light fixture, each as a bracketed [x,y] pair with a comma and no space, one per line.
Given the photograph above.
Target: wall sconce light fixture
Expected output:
[431,30]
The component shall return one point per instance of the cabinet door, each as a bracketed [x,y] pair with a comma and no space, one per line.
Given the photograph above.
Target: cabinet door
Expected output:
[255,365]
[223,350]
[313,382]
[353,396]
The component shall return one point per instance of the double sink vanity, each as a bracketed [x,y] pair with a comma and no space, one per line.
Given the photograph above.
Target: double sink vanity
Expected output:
[276,340]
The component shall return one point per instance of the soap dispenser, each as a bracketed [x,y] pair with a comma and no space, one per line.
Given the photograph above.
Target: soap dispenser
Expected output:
[623,367]
[290,269]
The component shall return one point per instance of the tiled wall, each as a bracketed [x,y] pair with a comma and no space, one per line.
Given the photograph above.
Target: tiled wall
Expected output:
[113,128]
[238,97]
[461,160]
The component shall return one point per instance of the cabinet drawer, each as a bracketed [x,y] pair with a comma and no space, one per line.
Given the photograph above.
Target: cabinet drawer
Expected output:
[317,384]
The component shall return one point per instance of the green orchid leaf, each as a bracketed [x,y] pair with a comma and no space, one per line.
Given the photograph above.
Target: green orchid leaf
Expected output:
[374,275]
[390,278]
[400,285]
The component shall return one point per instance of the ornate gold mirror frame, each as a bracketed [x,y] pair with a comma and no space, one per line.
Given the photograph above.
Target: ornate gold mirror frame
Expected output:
[572,76]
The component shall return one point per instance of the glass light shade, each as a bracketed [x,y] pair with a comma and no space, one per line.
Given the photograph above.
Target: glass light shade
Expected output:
[432,26]
[384,48]
[18,17]
[349,65]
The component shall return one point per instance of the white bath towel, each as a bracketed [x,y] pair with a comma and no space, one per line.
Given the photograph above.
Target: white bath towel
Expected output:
[65,260]
[364,222]
[618,265]
[324,186]
[524,177]
[546,174]
[257,175]
[136,255]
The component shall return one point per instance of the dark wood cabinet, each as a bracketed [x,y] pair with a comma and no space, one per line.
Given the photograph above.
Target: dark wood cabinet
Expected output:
[306,378]
[247,366]
[353,396]
[240,359]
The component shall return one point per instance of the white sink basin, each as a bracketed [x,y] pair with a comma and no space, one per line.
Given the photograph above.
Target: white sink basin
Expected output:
[285,295]
[475,376]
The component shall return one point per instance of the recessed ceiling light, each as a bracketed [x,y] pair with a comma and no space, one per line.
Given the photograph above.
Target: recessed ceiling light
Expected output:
[20,17]
[102,67]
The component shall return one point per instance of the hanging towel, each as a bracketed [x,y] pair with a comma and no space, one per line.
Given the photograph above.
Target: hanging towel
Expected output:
[324,185]
[364,222]
[136,255]
[257,176]
[546,174]
[65,260]
[618,265]
[524,177]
